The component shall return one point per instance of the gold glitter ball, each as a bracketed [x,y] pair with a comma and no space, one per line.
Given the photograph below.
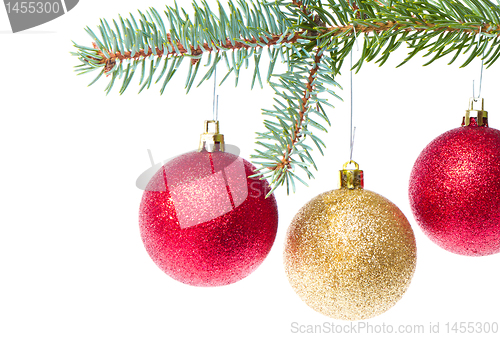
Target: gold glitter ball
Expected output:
[350,254]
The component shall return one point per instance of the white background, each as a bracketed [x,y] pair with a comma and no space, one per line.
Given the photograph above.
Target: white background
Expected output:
[71,259]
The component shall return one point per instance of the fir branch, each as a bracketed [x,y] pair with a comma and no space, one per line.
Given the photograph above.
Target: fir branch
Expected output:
[292,123]
[304,107]
[312,37]
[300,5]
[109,58]
[243,31]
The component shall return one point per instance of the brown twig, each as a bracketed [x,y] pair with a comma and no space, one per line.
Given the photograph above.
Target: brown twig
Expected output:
[295,137]
[111,61]
[381,27]
[301,6]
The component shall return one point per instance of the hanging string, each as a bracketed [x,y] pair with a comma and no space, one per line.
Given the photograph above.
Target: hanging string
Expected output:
[215,106]
[217,109]
[352,129]
[481,76]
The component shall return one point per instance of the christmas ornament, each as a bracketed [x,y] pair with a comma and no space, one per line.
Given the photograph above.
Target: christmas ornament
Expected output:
[350,253]
[455,187]
[203,221]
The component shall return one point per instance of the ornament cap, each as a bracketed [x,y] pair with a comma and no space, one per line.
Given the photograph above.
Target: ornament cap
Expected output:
[211,141]
[482,115]
[351,179]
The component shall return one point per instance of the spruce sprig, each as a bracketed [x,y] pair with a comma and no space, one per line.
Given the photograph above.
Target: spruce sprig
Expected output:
[312,37]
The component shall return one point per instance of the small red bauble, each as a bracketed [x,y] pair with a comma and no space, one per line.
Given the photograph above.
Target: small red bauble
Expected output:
[455,190]
[204,222]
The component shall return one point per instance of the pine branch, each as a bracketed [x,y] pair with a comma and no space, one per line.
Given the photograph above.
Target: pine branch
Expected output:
[243,31]
[285,163]
[110,61]
[297,102]
[310,88]
[300,5]
[312,37]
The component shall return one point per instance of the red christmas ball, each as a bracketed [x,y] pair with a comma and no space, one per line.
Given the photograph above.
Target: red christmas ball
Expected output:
[455,190]
[204,222]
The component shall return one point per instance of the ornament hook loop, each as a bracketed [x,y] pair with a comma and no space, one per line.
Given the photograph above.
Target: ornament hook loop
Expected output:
[351,179]
[211,141]
[351,162]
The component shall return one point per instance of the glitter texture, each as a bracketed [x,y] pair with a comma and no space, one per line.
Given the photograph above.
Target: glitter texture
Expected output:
[204,222]
[455,190]
[350,254]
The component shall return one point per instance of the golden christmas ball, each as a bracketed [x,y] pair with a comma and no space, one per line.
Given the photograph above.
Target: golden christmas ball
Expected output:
[350,253]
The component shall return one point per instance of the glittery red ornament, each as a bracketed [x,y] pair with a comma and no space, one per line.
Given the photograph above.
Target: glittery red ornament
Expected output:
[204,222]
[455,190]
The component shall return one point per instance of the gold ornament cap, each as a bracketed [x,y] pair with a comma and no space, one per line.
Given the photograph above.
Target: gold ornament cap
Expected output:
[482,115]
[351,179]
[211,141]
